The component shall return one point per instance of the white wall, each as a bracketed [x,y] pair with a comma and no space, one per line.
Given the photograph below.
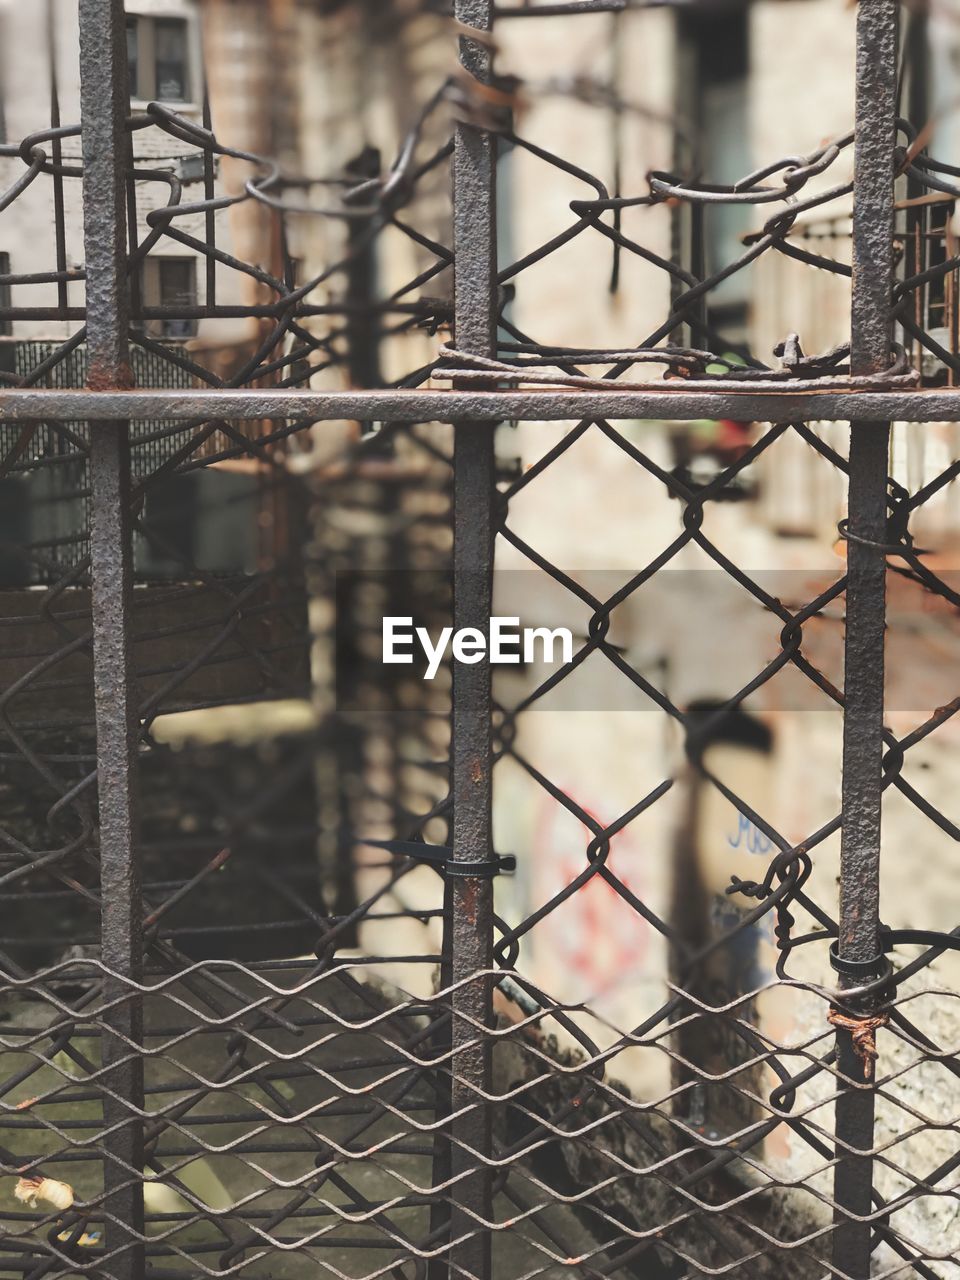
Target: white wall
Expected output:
[27,225]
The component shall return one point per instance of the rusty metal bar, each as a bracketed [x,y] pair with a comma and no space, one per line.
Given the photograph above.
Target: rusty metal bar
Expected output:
[559,10]
[59,223]
[558,1186]
[744,403]
[106,160]
[859,953]
[471,924]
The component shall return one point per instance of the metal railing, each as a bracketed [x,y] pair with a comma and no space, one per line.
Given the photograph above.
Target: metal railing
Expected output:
[218,1063]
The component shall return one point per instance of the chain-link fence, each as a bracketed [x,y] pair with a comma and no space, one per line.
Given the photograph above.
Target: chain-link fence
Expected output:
[564,969]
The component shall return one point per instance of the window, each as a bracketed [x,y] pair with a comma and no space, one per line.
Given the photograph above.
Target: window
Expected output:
[713,96]
[6,326]
[170,282]
[133,55]
[158,57]
[206,520]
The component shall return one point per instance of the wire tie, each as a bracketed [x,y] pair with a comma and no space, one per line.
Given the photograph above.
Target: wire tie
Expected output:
[863,1032]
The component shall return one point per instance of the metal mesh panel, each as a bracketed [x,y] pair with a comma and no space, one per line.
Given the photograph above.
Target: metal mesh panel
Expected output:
[305,968]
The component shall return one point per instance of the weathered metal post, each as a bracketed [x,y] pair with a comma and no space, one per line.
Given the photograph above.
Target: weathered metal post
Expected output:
[105,104]
[858,948]
[474,169]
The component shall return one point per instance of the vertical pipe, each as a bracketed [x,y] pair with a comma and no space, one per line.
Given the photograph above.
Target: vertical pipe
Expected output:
[475,318]
[870,332]
[104,103]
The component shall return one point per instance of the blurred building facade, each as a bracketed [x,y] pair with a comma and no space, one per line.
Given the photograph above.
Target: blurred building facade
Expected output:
[710,90]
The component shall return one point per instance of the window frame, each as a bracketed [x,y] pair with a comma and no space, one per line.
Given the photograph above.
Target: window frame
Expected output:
[144,25]
[151,290]
[703,82]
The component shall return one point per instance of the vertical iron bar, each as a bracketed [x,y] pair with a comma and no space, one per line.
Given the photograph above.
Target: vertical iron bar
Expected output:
[210,218]
[59,220]
[859,939]
[917,255]
[105,104]
[134,279]
[475,316]
[873,185]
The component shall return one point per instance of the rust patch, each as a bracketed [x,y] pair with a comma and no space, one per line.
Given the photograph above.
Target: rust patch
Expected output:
[468,900]
[110,378]
[863,1032]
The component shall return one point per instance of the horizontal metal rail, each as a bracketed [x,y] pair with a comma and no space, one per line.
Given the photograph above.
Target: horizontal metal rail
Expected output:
[745,404]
